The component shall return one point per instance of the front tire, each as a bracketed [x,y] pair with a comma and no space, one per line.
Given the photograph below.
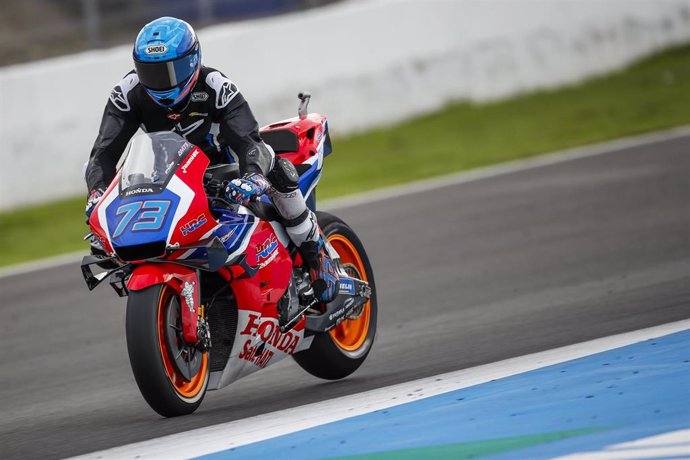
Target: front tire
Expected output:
[339,352]
[157,352]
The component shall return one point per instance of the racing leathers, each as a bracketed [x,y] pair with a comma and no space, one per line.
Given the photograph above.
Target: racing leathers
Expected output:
[217,119]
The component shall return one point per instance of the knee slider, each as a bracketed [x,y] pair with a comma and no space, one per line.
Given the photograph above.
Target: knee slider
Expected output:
[283,176]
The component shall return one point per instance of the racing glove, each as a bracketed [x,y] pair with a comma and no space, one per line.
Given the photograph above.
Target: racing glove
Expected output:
[92,201]
[242,191]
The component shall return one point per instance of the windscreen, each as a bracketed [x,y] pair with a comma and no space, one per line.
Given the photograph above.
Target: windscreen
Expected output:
[151,159]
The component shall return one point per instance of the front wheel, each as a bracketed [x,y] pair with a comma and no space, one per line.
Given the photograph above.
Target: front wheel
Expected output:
[339,352]
[172,375]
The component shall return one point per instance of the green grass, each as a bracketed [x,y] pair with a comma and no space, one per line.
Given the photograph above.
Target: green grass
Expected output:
[42,231]
[651,95]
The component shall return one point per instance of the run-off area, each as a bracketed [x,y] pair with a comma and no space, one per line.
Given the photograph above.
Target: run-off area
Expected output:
[584,405]
[622,396]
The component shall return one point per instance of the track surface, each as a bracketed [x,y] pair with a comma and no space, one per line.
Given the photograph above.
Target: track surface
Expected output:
[467,274]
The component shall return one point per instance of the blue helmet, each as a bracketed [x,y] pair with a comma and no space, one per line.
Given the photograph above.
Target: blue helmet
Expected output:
[167,59]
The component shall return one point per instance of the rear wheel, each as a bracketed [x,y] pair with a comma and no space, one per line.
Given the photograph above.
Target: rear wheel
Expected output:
[339,352]
[171,375]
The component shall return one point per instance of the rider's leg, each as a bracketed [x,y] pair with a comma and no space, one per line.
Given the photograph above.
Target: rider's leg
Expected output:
[303,229]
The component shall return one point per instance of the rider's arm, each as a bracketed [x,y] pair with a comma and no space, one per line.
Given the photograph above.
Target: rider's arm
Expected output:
[238,127]
[118,125]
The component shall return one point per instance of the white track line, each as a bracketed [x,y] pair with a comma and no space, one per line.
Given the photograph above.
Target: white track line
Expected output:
[508,167]
[675,444]
[224,436]
[43,264]
[429,184]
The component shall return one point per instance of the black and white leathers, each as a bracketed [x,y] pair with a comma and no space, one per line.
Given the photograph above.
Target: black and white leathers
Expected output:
[216,118]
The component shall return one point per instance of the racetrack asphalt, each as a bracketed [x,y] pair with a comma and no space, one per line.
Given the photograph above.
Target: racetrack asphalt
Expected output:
[467,274]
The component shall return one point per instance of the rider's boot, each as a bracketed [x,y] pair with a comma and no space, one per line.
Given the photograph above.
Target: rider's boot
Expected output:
[311,244]
[322,269]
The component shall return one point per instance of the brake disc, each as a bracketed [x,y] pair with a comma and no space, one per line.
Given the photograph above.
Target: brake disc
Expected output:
[186,358]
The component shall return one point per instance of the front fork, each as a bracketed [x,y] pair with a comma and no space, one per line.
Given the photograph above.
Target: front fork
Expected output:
[185,282]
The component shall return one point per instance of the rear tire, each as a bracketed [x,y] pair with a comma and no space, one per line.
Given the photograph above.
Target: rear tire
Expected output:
[152,353]
[339,352]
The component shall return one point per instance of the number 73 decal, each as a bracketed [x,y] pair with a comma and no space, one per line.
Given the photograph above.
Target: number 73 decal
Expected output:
[142,215]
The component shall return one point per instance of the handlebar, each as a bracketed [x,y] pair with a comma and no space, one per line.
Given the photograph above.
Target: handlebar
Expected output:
[215,188]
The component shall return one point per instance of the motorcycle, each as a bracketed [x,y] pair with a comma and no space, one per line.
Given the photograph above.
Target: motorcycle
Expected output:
[216,291]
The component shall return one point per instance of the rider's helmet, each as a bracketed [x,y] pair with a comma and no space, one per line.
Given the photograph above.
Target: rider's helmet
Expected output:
[167,59]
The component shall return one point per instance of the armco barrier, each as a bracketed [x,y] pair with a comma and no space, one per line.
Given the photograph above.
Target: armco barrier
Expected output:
[366,63]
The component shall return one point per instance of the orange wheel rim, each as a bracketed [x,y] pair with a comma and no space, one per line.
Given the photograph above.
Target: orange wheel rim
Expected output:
[185,388]
[351,334]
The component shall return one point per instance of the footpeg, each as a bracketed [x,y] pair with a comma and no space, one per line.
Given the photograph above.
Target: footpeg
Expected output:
[298,298]
[353,294]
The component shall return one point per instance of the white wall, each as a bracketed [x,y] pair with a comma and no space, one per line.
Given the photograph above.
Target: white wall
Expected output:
[365,62]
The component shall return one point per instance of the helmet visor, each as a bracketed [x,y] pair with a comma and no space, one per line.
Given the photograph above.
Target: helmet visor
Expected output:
[168,74]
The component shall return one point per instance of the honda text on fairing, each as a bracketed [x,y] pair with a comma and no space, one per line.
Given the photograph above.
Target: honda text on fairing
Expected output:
[216,290]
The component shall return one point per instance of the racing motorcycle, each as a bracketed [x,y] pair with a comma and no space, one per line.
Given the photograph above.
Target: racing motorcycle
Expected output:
[216,291]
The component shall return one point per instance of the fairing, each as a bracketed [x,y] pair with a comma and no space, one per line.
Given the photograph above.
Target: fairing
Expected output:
[157,201]
[304,142]
[158,197]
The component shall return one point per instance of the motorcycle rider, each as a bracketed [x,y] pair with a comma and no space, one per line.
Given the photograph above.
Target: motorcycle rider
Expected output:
[169,89]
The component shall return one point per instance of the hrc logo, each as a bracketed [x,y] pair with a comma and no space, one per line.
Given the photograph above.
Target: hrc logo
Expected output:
[264,250]
[193,224]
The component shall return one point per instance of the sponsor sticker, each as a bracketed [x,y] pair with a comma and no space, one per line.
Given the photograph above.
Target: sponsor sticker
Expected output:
[347,286]
[225,238]
[269,332]
[156,49]
[266,252]
[183,149]
[199,97]
[337,314]
[258,355]
[188,294]
[193,224]
[272,340]
[174,116]
[139,190]
[189,161]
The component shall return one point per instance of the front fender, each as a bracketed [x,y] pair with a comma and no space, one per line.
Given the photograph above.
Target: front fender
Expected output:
[184,280]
